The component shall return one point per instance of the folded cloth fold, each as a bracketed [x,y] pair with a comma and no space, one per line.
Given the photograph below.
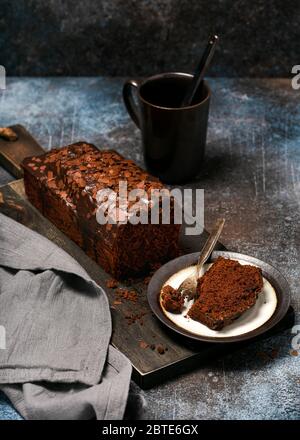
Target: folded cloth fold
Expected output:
[57,362]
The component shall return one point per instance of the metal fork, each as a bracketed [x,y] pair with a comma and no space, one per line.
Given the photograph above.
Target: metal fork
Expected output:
[189,285]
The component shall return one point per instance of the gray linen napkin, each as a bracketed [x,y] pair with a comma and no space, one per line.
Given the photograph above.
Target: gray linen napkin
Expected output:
[57,363]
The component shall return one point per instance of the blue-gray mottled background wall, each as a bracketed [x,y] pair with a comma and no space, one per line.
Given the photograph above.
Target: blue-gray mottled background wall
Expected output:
[141,37]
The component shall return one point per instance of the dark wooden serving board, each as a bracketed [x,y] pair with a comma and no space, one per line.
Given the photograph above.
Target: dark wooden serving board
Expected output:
[149,367]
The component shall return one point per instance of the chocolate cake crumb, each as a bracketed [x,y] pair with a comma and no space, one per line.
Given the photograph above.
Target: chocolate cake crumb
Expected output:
[294,353]
[12,204]
[133,318]
[263,356]
[111,283]
[143,344]
[172,300]
[153,346]
[161,349]
[129,295]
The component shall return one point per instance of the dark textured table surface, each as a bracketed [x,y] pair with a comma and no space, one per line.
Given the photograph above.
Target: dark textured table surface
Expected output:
[130,37]
[251,176]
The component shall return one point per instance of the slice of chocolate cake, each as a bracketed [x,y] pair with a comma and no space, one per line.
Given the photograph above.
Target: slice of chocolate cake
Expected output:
[225,292]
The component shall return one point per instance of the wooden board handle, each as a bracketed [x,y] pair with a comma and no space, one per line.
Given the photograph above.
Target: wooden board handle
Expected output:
[12,153]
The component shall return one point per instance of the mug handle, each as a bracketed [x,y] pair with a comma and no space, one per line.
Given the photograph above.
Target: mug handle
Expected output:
[129,101]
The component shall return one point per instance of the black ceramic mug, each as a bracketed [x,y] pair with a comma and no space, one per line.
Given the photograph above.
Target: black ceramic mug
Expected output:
[173,137]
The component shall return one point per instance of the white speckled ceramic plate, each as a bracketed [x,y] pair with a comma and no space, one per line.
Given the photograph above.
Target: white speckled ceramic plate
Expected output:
[271,305]
[253,318]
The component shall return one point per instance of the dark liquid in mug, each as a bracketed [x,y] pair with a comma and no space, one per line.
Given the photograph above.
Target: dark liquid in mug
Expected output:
[169,92]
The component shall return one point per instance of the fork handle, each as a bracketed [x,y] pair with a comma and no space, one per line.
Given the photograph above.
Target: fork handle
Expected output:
[210,244]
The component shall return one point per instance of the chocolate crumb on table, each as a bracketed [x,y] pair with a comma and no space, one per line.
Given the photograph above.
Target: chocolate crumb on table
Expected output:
[263,356]
[161,349]
[135,317]
[274,353]
[128,295]
[143,344]
[268,356]
[111,283]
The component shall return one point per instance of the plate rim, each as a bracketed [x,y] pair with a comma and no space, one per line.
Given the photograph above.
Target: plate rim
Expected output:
[271,273]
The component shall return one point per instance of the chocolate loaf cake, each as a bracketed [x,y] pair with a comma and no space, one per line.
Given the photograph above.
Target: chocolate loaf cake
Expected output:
[63,185]
[225,292]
